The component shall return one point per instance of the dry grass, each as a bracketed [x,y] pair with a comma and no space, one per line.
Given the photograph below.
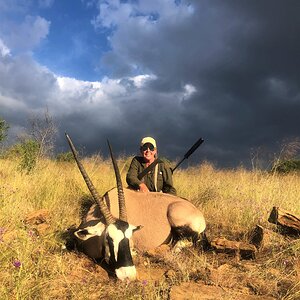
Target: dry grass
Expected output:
[37,266]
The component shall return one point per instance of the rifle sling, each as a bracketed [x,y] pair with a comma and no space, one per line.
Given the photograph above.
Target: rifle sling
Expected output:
[149,168]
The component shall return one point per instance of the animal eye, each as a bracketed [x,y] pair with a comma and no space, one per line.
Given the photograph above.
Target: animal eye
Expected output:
[137,228]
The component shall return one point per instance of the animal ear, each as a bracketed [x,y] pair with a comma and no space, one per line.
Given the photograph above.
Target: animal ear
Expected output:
[81,233]
[137,228]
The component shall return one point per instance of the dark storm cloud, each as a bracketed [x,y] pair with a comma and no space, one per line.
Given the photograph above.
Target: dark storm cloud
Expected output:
[226,71]
[243,59]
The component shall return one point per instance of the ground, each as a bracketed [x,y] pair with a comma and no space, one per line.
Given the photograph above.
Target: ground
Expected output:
[191,274]
[187,273]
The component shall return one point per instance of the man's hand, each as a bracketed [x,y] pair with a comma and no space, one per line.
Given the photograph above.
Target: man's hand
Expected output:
[143,188]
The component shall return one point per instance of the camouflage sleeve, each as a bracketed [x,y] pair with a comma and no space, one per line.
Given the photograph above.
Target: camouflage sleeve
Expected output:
[132,174]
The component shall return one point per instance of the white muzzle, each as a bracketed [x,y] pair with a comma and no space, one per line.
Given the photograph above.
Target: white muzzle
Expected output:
[125,273]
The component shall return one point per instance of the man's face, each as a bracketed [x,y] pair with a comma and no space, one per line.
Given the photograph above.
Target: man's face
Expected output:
[148,151]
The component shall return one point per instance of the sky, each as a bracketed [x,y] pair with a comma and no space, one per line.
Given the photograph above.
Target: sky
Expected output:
[225,71]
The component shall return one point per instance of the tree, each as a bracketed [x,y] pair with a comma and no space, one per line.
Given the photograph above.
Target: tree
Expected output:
[288,158]
[29,150]
[43,130]
[3,129]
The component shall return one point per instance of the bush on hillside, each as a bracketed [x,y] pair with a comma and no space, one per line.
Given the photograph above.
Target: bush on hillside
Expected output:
[29,154]
[65,157]
[3,129]
[286,166]
[26,152]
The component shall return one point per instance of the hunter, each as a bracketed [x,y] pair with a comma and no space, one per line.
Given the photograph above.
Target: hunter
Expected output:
[149,174]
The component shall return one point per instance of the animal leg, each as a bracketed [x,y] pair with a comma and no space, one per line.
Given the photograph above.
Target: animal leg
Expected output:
[201,241]
[180,233]
[169,240]
[175,236]
[198,239]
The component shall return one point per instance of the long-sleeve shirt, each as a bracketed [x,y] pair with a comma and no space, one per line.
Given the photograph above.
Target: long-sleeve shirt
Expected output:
[164,176]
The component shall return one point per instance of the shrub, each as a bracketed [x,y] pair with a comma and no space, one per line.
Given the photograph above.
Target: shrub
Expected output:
[27,152]
[286,166]
[3,129]
[29,155]
[65,157]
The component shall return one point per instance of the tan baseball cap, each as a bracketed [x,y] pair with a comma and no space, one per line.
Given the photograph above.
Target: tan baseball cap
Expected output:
[148,139]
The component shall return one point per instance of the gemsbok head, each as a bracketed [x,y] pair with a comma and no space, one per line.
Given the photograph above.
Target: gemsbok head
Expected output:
[107,237]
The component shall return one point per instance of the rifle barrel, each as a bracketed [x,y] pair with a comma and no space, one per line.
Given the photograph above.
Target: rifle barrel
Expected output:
[193,148]
[178,165]
[189,153]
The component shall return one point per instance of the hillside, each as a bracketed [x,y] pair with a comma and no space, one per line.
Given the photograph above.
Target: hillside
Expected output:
[37,208]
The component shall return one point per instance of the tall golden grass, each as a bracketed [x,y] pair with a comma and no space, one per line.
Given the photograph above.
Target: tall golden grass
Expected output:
[39,267]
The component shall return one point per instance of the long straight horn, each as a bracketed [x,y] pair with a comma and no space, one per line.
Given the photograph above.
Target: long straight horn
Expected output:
[121,197]
[109,218]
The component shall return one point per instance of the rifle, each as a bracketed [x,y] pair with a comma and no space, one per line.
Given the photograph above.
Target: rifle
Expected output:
[189,152]
[149,168]
[186,156]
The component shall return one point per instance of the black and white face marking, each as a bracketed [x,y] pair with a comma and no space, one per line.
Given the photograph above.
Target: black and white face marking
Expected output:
[89,238]
[118,236]
[89,230]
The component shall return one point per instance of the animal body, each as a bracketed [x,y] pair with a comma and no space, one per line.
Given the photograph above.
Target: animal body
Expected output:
[164,218]
[148,220]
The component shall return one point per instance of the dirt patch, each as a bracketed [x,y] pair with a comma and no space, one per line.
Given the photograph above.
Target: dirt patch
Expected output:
[83,269]
[38,221]
[37,217]
[201,291]
[150,274]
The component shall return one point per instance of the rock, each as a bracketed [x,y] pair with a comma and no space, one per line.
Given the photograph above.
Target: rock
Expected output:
[263,238]
[224,274]
[37,217]
[241,249]
[38,221]
[289,223]
[42,229]
[256,236]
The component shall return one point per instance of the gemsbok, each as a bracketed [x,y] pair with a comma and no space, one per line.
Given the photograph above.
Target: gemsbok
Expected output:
[154,218]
